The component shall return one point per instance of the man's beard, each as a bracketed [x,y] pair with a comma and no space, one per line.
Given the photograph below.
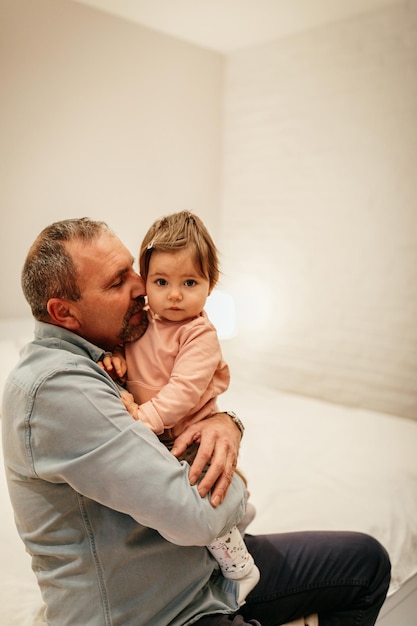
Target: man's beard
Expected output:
[131,332]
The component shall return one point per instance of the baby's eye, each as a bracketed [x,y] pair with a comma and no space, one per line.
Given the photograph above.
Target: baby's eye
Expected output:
[190,283]
[161,281]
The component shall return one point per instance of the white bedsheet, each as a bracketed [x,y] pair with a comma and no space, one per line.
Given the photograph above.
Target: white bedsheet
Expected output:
[314,465]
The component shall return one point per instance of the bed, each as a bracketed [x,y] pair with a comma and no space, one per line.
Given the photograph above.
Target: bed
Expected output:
[310,465]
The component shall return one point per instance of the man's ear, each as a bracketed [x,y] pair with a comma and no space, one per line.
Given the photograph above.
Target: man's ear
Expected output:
[61,314]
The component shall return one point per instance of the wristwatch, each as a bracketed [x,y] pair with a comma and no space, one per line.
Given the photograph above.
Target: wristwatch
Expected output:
[236,420]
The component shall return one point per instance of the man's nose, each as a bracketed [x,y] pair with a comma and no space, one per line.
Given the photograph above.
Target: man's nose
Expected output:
[138,287]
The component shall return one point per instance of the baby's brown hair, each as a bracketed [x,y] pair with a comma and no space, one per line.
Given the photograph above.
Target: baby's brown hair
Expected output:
[176,232]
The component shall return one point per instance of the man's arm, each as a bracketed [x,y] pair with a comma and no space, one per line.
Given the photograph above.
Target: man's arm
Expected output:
[103,454]
[219,439]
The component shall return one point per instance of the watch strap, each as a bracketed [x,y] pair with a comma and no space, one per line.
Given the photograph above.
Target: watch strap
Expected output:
[236,420]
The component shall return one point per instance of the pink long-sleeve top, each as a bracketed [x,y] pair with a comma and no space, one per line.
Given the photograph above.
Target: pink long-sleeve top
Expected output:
[175,373]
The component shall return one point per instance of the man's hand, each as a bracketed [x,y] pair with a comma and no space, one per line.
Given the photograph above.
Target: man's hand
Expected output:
[218,438]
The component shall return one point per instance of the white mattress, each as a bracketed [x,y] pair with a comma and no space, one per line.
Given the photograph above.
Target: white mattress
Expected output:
[314,465]
[310,465]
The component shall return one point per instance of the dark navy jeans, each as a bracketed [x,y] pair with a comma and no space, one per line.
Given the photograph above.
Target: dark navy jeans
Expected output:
[342,576]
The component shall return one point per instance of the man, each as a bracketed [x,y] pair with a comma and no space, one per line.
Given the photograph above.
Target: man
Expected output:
[114,523]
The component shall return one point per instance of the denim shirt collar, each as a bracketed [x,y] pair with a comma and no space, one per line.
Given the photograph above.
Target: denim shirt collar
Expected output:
[73,343]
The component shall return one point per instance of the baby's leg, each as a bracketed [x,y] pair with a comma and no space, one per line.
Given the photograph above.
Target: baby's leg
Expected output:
[235,561]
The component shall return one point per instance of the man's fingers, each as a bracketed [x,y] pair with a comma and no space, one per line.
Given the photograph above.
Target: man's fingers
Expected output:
[218,439]
[218,483]
[219,492]
[184,440]
[202,459]
[219,474]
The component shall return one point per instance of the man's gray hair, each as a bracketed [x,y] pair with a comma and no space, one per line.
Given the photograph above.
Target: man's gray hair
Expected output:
[49,270]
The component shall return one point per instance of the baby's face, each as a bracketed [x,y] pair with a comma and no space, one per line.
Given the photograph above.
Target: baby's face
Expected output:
[175,288]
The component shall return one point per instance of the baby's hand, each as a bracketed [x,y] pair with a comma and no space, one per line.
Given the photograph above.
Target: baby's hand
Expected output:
[130,404]
[115,365]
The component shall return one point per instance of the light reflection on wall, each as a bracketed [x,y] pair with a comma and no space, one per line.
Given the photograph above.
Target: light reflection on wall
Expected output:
[221,310]
[261,305]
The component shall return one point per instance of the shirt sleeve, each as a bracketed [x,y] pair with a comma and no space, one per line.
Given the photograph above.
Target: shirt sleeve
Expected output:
[199,375]
[80,434]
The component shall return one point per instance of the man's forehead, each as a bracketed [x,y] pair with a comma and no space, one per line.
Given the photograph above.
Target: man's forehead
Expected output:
[105,244]
[105,252]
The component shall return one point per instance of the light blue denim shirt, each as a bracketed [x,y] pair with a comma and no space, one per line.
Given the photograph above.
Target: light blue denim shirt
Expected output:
[115,531]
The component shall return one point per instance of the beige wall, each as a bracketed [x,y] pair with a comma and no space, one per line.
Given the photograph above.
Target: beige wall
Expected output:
[317,217]
[319,227]
[100,117]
